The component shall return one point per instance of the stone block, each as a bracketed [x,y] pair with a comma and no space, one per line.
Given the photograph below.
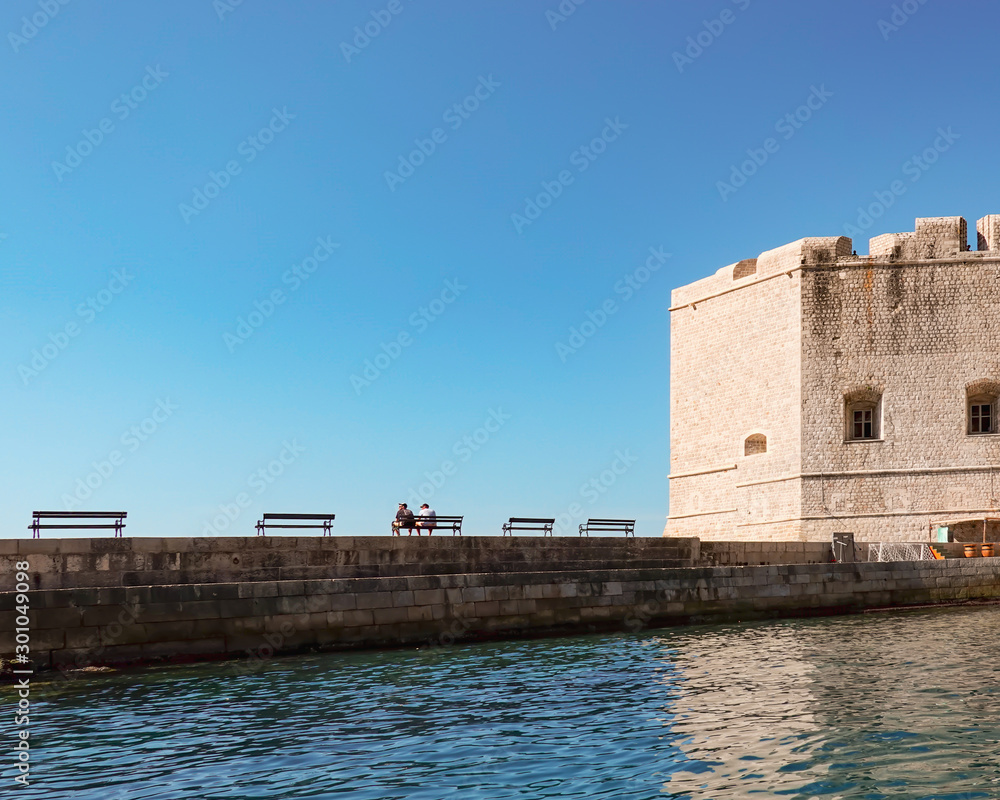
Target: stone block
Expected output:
[424,613]
[389,616]
[473,594]
[244,626]
[402,599]
[374,600]
[85,597]
[236,608]
[509,607]
[487,609]
[51,639]
[51,618]
[37,547]
[291,588]
[183,650]
[495,592]
[358,618]
[426,597]
[82,638]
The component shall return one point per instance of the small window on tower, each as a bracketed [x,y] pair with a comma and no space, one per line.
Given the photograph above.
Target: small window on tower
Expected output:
[981,407]
[864,427]
[755,444]
[863,415]
[982,418]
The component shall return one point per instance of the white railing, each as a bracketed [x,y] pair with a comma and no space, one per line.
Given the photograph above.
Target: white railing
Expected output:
[895,551]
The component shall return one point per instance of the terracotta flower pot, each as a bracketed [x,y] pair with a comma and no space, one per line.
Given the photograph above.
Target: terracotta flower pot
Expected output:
[987,550]
[970,550]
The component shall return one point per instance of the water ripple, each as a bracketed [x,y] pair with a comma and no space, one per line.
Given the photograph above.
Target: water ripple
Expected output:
[903,705]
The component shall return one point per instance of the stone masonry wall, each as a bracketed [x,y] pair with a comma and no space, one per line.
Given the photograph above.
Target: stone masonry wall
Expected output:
[735,360]
[918,334]
[73,563]
[913,326]
[83,627]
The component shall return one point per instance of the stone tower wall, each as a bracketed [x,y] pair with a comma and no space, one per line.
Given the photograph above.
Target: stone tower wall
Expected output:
[778,350]
[918,334]
[735,360]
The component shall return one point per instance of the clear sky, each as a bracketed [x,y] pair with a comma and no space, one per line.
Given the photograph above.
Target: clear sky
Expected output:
[424,250]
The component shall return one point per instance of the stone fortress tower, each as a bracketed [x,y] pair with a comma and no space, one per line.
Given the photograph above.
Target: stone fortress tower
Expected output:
[814,391]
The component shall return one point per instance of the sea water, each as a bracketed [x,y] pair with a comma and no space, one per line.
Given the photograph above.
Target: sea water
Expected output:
[887,705]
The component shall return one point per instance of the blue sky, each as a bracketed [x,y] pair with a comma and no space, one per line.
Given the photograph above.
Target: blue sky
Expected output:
[245,238]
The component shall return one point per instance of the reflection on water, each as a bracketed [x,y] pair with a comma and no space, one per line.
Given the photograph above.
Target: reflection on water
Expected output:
[900,705]
[727,682]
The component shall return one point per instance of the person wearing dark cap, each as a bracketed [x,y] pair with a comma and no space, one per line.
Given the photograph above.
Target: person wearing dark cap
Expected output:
[426,520]
[404,519]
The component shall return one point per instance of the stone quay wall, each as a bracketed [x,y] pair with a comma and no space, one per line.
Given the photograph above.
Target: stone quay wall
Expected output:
[109,562]
[104,562]
[253,620]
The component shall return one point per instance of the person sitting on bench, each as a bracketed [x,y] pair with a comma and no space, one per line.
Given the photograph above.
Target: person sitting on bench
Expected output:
[404,519]
[426,520]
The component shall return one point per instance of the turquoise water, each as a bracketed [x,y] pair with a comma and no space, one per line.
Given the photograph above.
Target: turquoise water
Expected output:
[901,705]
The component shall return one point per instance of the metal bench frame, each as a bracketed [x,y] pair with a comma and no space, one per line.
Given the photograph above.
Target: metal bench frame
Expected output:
[37,526]
[626,526]
[324,521]
[453,523]
[528,524]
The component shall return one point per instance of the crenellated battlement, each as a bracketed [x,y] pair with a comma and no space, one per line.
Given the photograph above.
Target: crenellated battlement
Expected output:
[932,237]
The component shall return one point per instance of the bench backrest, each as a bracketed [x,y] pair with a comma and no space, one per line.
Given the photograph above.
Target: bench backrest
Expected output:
[513,520]
[266,517]
[77,514]
[611,522]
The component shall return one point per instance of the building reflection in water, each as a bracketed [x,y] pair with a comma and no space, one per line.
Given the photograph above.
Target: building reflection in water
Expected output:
[895,705]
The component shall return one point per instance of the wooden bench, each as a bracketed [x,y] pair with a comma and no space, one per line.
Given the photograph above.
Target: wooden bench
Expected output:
[452,523]
[528,524]
[626,526]
[113,520]
[324,521]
